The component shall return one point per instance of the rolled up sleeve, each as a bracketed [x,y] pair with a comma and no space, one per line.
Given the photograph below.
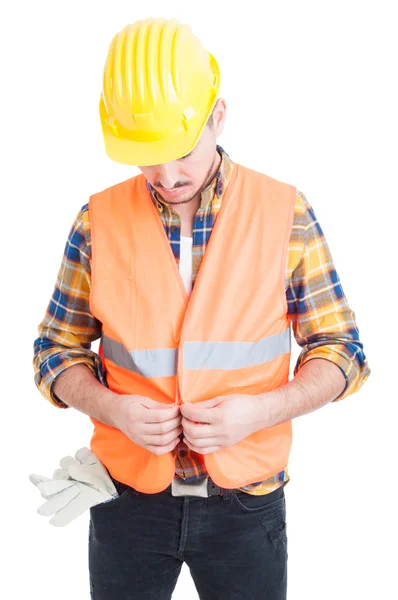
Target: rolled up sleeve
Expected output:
[323,323]
[68,327]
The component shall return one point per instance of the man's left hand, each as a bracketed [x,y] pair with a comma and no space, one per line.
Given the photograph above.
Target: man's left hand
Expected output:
[215,424]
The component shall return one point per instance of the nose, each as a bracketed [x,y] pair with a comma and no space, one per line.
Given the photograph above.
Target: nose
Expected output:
[167,175]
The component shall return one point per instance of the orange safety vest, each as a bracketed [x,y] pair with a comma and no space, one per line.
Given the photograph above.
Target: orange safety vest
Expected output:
[232,336]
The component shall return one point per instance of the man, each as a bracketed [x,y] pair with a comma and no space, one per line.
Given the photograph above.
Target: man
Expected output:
[192,274]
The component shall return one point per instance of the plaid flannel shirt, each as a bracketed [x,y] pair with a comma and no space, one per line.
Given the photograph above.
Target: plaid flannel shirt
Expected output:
[322,322]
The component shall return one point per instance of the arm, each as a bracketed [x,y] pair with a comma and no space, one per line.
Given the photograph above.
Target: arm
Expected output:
[317,383]
[323,323]
[332,364]
[77,387]
[68,327]
[237,416]
[152,425]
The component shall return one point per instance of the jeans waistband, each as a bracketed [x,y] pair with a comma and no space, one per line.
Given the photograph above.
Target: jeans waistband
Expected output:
[212,488]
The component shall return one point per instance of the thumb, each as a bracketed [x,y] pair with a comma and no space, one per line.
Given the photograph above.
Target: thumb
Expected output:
[149,403]
[189,408]
[212,402]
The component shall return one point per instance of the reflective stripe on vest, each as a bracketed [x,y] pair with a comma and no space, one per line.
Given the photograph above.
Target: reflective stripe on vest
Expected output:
[159,362]
[235,355]
[162,362]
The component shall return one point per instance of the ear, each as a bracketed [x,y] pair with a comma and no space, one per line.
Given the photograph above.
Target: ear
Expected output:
[219,116]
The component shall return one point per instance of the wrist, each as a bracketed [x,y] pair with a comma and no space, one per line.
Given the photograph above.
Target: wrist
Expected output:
[267,408]
[108,404]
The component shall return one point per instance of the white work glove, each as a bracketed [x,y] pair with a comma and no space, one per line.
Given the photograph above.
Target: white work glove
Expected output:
[81,482]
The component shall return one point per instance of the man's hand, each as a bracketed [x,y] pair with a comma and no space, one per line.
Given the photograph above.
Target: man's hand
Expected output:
[152,425]
[221,422]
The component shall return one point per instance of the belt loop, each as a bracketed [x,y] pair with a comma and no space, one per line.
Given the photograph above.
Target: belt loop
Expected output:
[226,493]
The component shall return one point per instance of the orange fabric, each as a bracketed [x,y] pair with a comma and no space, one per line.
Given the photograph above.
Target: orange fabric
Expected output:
[132,286]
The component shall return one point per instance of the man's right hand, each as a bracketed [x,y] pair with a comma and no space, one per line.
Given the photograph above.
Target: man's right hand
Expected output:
[152,425]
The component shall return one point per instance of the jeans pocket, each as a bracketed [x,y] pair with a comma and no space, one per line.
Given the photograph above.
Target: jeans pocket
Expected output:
[274,523]
[112,502]
[249,503]
[123,491]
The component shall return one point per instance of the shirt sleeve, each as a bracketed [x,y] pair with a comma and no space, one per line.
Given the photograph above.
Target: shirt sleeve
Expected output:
[322,321]
[68,327]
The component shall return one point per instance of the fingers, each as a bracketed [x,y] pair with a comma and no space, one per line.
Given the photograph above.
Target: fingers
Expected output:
[159,450]
[161,437]
[198,430]
[201,438]
[202,442]
[163,427]
[164,439]
[154,404]
[158,415]
[194,412]
[206,449]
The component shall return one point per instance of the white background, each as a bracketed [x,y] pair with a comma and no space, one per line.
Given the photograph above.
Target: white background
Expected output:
[311,101]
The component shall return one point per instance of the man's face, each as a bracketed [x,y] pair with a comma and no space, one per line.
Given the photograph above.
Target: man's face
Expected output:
[180,180]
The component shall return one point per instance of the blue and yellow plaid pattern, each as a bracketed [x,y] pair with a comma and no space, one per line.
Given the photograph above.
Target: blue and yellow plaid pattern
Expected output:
[322,322]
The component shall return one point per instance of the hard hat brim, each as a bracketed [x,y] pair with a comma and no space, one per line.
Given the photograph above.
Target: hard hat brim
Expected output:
[143,154]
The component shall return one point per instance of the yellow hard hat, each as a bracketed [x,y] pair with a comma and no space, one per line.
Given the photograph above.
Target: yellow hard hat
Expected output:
[159,88]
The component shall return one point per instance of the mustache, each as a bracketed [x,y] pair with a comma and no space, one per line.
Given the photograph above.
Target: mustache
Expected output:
[176,187]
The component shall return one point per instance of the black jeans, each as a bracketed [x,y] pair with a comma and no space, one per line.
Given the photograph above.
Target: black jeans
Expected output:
[235,545]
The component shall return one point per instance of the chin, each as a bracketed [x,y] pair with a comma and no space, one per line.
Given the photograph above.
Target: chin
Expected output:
[178,199]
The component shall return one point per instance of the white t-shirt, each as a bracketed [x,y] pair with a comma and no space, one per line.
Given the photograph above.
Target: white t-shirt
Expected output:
[186,262]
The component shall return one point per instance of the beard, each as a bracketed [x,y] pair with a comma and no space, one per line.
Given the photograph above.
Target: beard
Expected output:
[181,201]
[206,182]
